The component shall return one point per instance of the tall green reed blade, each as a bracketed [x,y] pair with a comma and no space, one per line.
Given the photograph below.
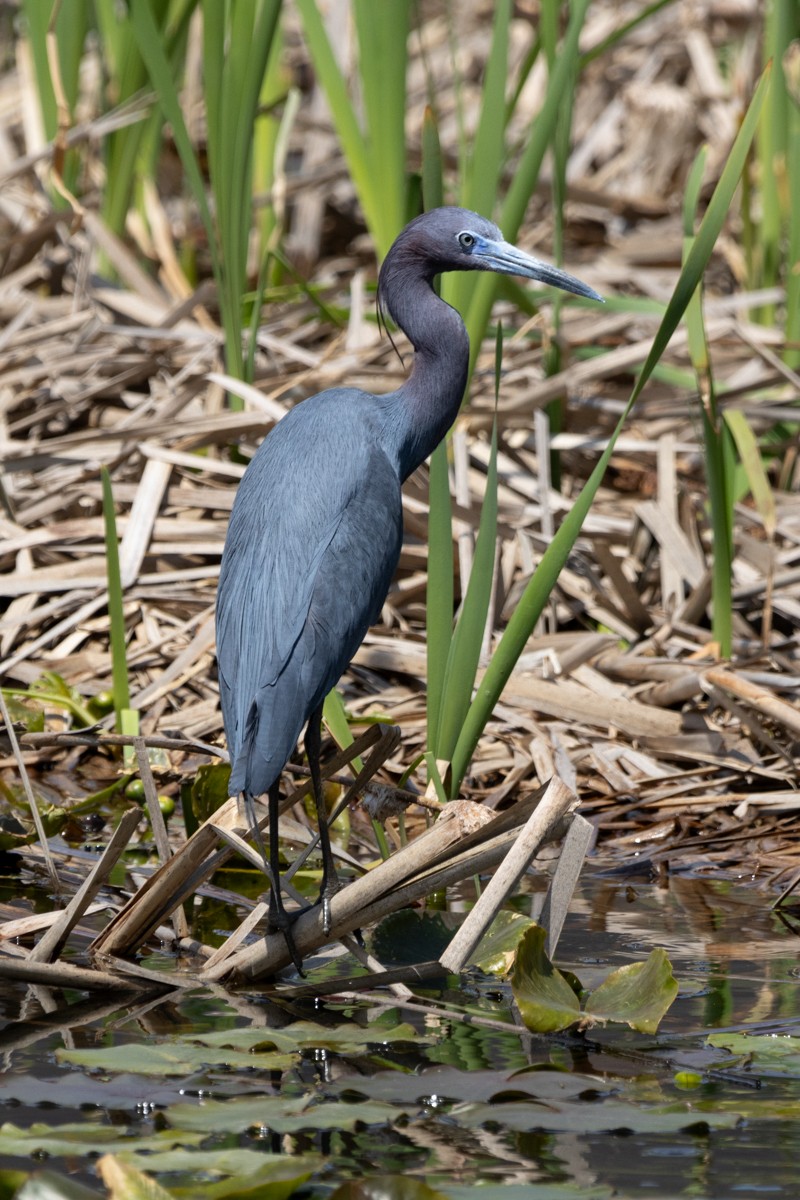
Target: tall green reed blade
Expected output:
[131,153]
[791,74]
[526,172]
[467,640]
[483,163]
[753,466]
[439,597]
[270,150]
[538,590]
[717,441]
[375,154]
[237,38]
[127,718]
[781,25]
[382,60]
[72,24]
[552,358]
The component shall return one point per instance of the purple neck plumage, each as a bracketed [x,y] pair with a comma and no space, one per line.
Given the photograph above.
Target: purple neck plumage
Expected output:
[419,414]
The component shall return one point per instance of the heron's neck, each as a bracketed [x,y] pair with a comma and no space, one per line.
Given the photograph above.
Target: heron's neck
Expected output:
[419,413]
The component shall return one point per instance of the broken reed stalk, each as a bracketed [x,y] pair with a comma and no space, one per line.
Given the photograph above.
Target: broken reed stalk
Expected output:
[554,804]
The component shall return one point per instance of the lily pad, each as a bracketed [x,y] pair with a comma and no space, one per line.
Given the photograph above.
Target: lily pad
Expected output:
[408,936]
[777,1053]
[586,1117]
[306,1035]
[180,1057]
[277,1114]
[209,790]
[82,1138]
[448,1084]
[249,1174]
[637,994]
[545,998]
[230,1160]
[497,948]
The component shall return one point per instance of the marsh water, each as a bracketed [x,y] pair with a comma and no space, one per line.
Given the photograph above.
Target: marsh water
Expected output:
[448,1089]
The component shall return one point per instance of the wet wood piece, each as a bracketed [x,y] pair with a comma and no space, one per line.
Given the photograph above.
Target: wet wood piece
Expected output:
[66,975]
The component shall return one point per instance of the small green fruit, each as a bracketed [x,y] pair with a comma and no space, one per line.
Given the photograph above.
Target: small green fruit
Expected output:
[687,1079]
[101,704]
[135,791]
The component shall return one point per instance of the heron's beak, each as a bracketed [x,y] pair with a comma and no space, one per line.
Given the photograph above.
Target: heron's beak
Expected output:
[508,260]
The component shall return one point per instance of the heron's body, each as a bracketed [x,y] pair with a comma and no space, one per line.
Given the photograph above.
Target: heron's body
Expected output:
[309,557]
[316,527]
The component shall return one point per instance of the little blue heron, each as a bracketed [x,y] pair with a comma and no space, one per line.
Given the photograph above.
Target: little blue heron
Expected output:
[317,524]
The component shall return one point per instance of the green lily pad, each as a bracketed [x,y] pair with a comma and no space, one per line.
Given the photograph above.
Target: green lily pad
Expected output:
[209,790]
[180,1057]
[545,999]
[776,1053]
[587,1117]
[637,994]
[249,1174]
[408,936]
[451,1084]
[497,948]
[306,1035]
[82,1138]
[229,1160]
[277,1114]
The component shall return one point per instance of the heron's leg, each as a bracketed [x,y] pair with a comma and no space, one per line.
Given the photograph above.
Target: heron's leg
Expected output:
[278,919]
[330,879]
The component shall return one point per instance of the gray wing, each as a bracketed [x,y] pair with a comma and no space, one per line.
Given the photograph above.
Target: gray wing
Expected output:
[312,545]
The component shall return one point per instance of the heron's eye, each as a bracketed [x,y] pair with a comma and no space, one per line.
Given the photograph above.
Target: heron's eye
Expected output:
[466,240]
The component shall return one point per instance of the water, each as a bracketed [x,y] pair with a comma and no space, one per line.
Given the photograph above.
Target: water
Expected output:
[589,1116]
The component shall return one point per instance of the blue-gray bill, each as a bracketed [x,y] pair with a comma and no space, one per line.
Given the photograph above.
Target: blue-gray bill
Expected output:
[506,259]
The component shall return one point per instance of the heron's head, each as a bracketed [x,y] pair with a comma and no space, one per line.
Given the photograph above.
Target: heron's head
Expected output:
[455,239]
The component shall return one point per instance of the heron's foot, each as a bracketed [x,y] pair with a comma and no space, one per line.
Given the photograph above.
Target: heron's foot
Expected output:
[280,921]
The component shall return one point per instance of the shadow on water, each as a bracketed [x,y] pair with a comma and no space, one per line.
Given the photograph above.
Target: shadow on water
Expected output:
[426,1092]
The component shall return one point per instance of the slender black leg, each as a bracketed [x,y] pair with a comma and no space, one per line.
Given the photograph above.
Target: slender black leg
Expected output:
[330,879]
[278,919]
